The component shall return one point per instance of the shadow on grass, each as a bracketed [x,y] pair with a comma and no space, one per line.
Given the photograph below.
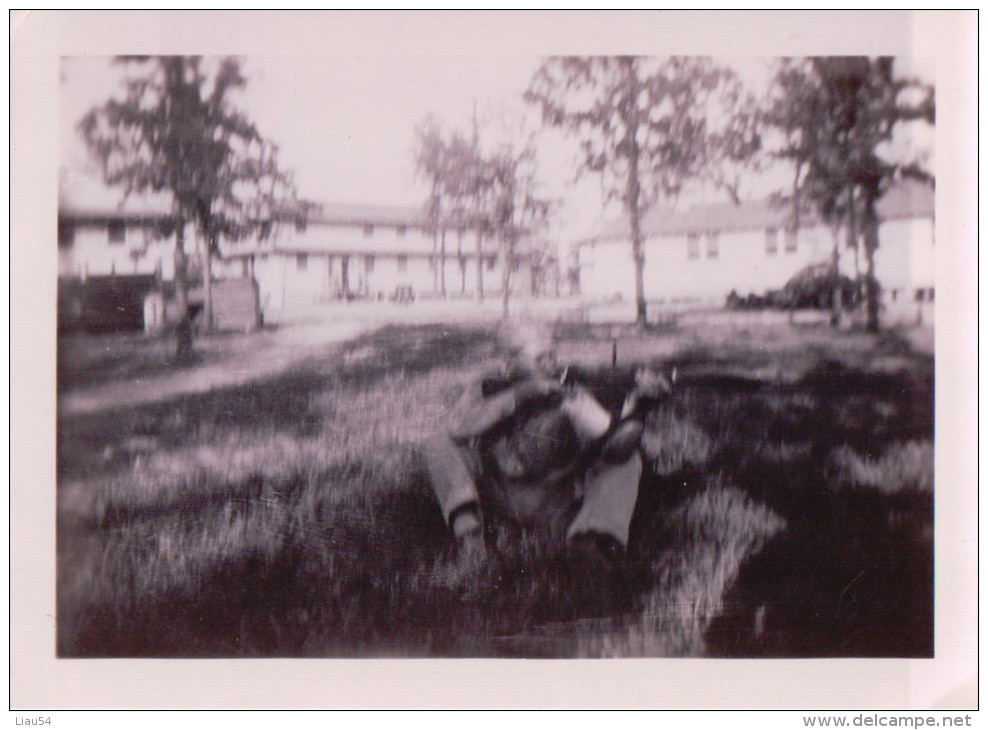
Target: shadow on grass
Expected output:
[847,583]
[847,354]
[284,403]
[85,360]
[409,350]
[102,440]
[852,575]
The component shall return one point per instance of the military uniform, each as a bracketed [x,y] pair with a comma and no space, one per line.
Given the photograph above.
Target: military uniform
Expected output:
[542,454]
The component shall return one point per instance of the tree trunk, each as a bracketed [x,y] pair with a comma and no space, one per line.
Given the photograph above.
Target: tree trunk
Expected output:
[207,285]
[633,193]
[859,284]
[480,267]
[852,245]
[872,293]
[506,275]
[345,277]
[183,328]
[432,261]
[637,248]
[462,262]
[835,289]
[442,265]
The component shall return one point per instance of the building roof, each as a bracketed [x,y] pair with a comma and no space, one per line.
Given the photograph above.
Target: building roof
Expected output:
[358,214]
[83,203]
[907,200]
[79,199]
[386,245]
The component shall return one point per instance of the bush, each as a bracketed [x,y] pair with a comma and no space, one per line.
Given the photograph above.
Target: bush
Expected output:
[810,288]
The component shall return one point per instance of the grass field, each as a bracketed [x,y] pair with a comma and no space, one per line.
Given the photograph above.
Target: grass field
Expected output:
[786,508]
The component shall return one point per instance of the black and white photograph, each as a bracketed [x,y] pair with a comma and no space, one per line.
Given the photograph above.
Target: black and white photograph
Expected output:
[523,354]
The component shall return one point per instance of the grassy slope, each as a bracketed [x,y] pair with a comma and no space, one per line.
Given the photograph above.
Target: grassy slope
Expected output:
[293,517]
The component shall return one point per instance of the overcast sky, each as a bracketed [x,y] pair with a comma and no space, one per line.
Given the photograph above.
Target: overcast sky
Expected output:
[345,124]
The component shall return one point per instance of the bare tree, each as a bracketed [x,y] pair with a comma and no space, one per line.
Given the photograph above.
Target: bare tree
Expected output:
[431,161]
[492,191]
[458,180]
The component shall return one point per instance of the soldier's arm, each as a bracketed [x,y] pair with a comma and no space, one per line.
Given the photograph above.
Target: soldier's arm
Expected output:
[590,420]
[609,387]
[617,429]
[476,415]
[622,391]
[650,386]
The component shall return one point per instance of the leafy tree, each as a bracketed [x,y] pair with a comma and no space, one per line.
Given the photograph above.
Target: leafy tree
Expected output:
[430,163]
[648,126]
[453,167]
[516,209]
[493,192]
[839,116]
[177,132]
[468,189]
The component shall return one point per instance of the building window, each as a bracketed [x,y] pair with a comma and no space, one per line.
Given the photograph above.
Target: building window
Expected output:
[301,261]
[693,246]
[771,241]
[491,263]
[921,295]
[66,235]
[368,230]
[369,263]
[713,245]
[929,294]
[116,230]
[402,262]
[301,224]
[402,230]
[791,241]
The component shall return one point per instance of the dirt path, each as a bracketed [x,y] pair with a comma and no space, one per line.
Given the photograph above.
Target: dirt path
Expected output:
[250,357]
[231,360]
